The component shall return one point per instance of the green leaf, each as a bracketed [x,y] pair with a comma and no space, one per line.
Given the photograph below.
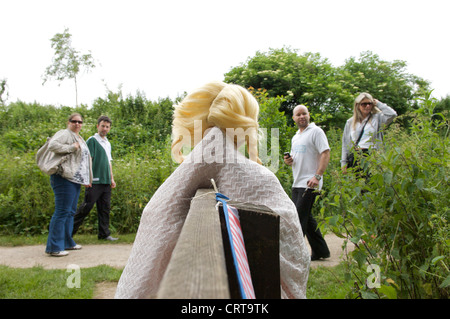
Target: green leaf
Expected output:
[333,220]
[359,256]
[336,199]
[389,291]
[434,160]
[368,295]
[407,152]
[445,283]
[387,177]
[419,183]
[436,259]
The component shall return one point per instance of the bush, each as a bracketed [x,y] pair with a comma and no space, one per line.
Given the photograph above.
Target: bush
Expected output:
[137,178]
[26,197]
[27,200]
[397,218]
[141,152]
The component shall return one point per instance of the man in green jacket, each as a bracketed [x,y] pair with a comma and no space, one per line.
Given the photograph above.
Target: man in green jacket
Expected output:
[102,182]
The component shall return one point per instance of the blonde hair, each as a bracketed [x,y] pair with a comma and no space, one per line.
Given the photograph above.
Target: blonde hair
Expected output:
[216,104]
[357,116]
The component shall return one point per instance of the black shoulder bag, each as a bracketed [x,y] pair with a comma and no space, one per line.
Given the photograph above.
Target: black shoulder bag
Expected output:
[351,154]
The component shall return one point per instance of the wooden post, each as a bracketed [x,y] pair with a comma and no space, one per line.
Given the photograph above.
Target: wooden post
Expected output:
[197,267]
[201,265]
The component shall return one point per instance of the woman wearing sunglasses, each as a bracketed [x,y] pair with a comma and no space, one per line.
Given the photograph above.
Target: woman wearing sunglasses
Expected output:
[74,171]
[363,131]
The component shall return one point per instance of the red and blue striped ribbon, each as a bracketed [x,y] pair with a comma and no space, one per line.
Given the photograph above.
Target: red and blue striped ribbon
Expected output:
[237,248]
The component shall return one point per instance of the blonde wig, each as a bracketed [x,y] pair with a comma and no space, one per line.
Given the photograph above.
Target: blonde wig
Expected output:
[216,104]
[357,116]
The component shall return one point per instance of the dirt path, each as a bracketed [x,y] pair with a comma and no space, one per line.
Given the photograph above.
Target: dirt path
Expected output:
[114,255]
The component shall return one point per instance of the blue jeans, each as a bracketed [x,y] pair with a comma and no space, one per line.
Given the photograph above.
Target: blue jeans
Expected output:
[61,224]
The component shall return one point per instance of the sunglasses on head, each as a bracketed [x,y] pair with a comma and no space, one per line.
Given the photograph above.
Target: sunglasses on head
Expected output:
[76,122]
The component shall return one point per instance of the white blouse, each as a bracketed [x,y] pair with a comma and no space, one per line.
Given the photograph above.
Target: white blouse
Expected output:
[82,175]
[366,139]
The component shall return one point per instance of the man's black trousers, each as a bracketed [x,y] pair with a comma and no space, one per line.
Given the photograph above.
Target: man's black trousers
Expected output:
[304,199]
[99,194]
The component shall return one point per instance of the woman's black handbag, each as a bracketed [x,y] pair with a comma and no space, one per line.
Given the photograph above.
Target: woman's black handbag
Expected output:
[350,159]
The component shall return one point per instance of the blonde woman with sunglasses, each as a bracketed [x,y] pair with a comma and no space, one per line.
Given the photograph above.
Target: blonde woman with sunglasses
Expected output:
[364,130]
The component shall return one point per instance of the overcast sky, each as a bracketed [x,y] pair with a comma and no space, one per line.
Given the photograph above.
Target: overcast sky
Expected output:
[164,48]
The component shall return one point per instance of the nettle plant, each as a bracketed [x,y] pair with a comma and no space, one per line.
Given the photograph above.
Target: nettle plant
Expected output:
[395,217]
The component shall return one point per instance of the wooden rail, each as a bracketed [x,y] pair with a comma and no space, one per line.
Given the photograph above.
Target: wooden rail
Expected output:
[201,265]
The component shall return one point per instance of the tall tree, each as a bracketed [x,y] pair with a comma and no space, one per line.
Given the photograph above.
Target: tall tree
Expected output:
[384,80]
[67,62]
[284,72]
[300,78]
[328,91]
[3,87]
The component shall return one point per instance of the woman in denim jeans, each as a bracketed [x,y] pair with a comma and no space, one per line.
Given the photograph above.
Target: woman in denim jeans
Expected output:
[74,171]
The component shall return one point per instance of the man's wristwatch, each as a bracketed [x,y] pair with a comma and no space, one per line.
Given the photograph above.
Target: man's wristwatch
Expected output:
[318,177]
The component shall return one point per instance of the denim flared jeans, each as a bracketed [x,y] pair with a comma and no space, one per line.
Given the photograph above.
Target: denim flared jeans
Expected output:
[61,224]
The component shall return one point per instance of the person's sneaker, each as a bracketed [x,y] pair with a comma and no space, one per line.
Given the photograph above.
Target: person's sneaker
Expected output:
[110,238]
[76,247]
[58,253]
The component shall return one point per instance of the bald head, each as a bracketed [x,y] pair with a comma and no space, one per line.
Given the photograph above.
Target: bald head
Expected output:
[300,107]
[301,116]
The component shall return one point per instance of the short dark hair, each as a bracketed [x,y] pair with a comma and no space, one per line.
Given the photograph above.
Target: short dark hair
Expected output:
[104,118]
[73,115]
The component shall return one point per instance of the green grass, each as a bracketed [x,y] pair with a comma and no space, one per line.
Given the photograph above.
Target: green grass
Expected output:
[328,283]
[39,283]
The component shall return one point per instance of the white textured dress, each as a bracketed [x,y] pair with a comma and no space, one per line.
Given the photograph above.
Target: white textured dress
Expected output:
[238,178]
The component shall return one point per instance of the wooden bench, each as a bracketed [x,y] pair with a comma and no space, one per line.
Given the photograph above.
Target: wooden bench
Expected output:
[201,266]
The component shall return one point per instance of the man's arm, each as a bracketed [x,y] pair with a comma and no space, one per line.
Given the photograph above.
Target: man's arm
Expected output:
[323,163]
[113,183]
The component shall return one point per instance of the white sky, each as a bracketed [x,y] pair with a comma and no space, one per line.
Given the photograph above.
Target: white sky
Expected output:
[166,47]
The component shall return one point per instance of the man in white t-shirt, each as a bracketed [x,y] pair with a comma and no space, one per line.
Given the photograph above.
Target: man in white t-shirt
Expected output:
[309,157]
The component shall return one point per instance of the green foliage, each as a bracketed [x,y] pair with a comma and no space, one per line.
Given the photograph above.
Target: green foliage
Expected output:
[386,81]
[141,152]
[38,283]
[397,217]
[330,91]
[274,124]
[300,79]
[26,197]
[328,282]
[3,90]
